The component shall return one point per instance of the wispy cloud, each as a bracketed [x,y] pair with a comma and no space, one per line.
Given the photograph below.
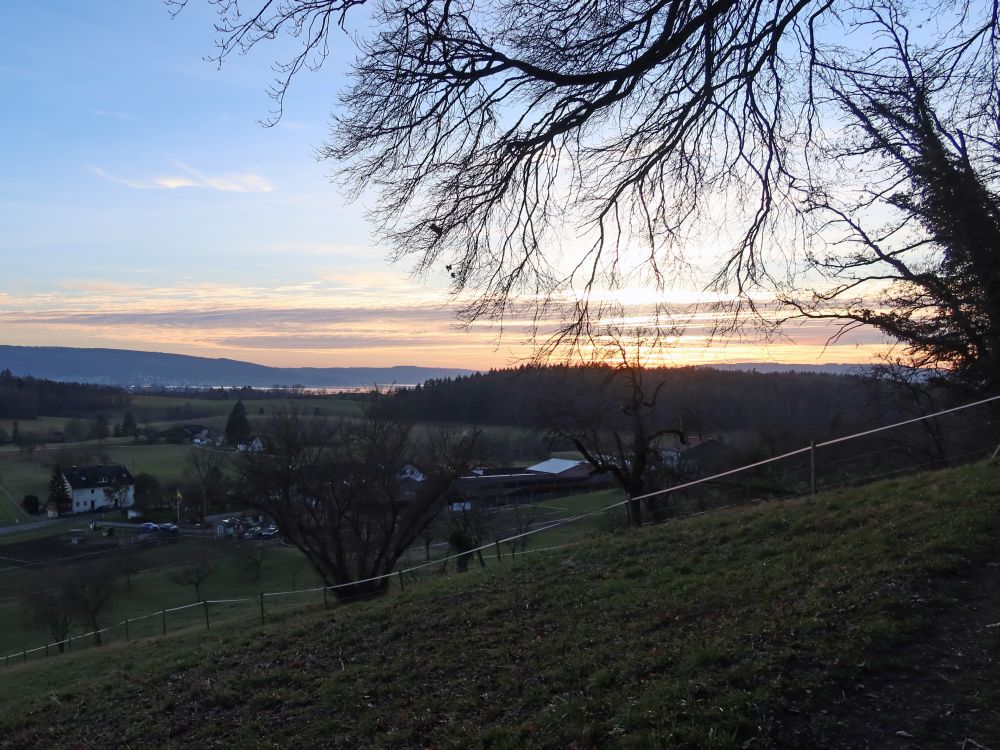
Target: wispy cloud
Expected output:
[236,182]
[123,116]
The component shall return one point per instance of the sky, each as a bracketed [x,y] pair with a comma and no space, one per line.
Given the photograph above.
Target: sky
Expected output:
[144,206]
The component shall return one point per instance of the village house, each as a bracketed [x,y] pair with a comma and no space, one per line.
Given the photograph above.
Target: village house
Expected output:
[95,487]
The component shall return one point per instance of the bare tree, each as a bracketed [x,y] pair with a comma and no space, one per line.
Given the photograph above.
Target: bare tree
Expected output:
[352,496]
[614,425]
[252,555]
[206,468]
[504,134]
[48,603]
[194,575]
[913,252]
[89,589]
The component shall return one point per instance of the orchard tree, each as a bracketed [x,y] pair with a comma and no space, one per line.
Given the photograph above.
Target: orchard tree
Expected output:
[614,422]
[194,575]
[48,603]
[355,495]
[91,588]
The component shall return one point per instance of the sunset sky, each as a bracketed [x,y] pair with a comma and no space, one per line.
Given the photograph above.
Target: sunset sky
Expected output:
[144,207]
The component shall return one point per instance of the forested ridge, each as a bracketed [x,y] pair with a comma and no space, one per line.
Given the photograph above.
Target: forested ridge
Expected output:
[702,399]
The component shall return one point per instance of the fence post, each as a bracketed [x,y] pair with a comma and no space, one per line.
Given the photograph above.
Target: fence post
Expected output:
[71,644]
[126,630]
[163,617]
[46,649]
[812,467]
[326,601]
[261,607]
[401,584]
[24,655]
[205,603]
[497,543]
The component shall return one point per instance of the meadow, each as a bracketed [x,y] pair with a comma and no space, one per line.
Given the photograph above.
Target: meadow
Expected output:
[857,618]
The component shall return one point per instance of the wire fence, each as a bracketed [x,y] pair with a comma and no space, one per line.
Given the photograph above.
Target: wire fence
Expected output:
[944,438]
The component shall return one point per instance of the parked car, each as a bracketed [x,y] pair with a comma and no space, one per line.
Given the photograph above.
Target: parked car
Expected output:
[270,532]
[149,527]
[170,528]
[253,533]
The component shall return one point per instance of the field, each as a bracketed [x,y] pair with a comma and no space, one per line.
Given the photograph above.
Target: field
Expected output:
[151,590]
[860,618]
[147,591]
[22,473]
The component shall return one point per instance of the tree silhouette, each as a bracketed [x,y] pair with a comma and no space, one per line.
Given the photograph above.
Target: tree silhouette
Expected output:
[59,493]
[237,425]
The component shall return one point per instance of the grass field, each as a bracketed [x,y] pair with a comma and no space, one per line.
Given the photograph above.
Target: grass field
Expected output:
[173,410]
[285,569]
[856,619]
[152,589]
[22,474]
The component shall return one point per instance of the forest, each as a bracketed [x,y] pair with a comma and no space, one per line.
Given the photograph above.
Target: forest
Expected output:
[29,398]
[698,399]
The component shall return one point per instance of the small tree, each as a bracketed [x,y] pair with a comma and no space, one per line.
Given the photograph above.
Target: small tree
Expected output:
[31,504]
[205,468]
[237,425]
[129,427]
[147,490]
[194,575]
[100,429]
[75,430]
[48,604]
[616,425]
[58,491]
[252,555]
[90,588]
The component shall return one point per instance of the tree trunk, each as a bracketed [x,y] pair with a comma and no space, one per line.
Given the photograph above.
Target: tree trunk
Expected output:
[634,512]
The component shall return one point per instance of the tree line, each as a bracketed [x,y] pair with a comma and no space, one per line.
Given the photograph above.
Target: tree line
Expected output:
[26,397]
[699,399]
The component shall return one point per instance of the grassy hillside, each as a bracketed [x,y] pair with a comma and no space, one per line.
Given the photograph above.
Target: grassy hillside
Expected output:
[856,619]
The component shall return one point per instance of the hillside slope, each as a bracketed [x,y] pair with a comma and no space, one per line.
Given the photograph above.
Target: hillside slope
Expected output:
[858,619]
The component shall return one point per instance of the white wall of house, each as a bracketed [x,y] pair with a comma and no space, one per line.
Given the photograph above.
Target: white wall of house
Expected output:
[92,498]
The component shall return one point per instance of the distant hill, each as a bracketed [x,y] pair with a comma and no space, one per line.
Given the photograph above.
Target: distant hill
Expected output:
[134,368]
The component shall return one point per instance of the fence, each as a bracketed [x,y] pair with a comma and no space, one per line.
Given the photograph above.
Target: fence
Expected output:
[946,437]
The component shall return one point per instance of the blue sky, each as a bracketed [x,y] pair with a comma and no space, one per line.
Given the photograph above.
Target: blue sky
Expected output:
[144,206]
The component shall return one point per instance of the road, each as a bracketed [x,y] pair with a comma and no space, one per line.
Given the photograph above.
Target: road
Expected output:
[19,527]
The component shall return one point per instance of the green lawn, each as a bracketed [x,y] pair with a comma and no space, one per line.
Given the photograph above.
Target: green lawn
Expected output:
[805,623]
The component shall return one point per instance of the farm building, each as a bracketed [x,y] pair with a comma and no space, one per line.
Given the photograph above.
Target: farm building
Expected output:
[95,487]
[556,477]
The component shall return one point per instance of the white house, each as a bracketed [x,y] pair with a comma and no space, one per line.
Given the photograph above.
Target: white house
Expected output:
[95,487]
[251,445]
